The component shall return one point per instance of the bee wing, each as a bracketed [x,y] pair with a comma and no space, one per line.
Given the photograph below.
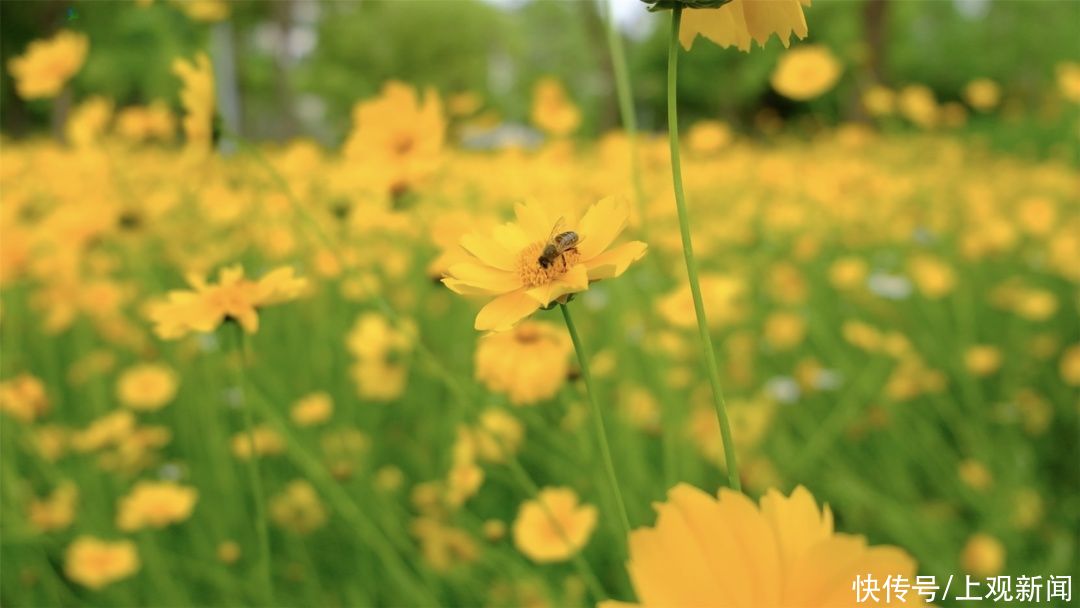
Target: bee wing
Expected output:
[557,228]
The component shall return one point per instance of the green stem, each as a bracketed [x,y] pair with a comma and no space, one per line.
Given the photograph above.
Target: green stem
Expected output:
[688,254]
[626,107]
[254,479]
[598,420]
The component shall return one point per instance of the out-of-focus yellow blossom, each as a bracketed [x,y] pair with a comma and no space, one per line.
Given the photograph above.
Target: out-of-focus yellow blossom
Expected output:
[1068,80]
[23,398]
[198,99]
[848,273]
[96,563]
[228,551]
[738,22]
[983,555]
[343,449]
[443,546]
[464,103]
[155,504]
[934,278]
[1027,510]
[147,386]
[46,65]
[382,350]
[312,409]
[806,72]
[396,138]
[88,121]
[497,435]
[784,330]
[917,104]
[298,508]
[56,511]
[552,111]
[749,419]
[723,295]
[554,526]
[729,551]
[975,475]
[51,441]
[507,263]
[982,94]
[982,359]
[389,478]
[204,10]
[879,101]
[144,123]
[708,136]
[494,530]
[109,429]
[232,298]
[641,409]
[529,363]
[1037,215]
[267,443]
[1070,365]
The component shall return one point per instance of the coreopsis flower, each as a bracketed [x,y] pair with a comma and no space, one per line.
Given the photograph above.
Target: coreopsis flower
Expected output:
[398,136]
[708,136]
[155,504]
[917,104]
[198,99]
[312,409]
[554,526]
[982,94]
[298,508]
[934,278]
[983,555]
[232,298]
[267,442]
[96,563]
[737,22]
[23,397]
[1070,365]
[879,100]
[1068,80]
[204,10]
[728,551]
[143,123]
[806,72]
[529,363]
[515,264]
[147,386]
[982,359]
[47,65]
[56,511]
[382,349]
[88,121]
[443,546]
[552,111]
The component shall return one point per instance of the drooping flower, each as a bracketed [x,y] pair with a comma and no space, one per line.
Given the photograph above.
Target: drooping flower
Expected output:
[553,527]
[146,387]
[155,504]
[95,563]
[47,65]
[507,263]
[198,99]
[806,72]
[232,298]
[529,363]
[738,22]
[705,551]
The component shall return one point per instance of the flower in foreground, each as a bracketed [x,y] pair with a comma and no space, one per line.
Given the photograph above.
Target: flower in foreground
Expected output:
[706,551]
[506,263]
[232,298]
[155,504]
[553,527]
[806,72]
[738,22]
[47,65]
[95,563]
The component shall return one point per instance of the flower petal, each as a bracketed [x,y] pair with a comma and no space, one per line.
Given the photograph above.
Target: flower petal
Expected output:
[574,280]
[601,224]
[490,251]
[725,26]
[534,220]
[614,262]
[490,280]
[504,311]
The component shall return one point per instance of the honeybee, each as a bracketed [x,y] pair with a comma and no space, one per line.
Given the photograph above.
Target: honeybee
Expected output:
[558,243]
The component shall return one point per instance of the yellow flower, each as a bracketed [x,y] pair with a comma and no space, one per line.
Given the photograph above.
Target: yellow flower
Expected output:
[298,508]
[1037,215]
[55,512]
[740,21]
[23,397]
[197,98]
[975,475]
[47,65]
[934,278]
[141,123]
[146,387]
[731,552]
[1070,365]
[879,100]
[88,121]
[806,72]
[553,527]
[982,94]
[1068,80]
[708,136]
[848,273]
[552,111]
[917,104]
[982,359]
[983,555]
[267,442]
[312,409]
[508,265]
[204,10]
[155,504]
[784,330]
[228,552]
[232,298]
[95,563]
[529,363]
[724,297]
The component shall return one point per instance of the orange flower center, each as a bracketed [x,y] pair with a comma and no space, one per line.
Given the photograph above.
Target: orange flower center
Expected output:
[533,274]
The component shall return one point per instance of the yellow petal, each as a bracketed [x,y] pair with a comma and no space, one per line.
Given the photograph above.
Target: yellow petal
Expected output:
[780,17]
[574,280]
[600,225]
[725,26]
[490,252]
[504,311]
[798,523]
[534,220]
[614,262]
[484,278]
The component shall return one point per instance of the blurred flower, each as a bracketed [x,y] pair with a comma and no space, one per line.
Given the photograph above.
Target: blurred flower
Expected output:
[56,511]
[88,121]
[312,409]
[552,111]
[982,359]
[738,22]
[917,104]
[143,123]
[705,551]
[497,435]
[1070,365]
[983,555]
[267,443]
[784,330]
[147,386]
[96,563]
[443,546]
[806,72]
[975,475]
[708,136]
[382,350]
[879,100]
[232,298]
[982,94]
[934,278]
[1068,80]
[198,99]
[298,508]
[1037,215]
[508,264]
[228,552]
[553,527]
[47,65]
[204,10]
[23,397]
[155,504]
[848,273]
[724,298]
[529,363]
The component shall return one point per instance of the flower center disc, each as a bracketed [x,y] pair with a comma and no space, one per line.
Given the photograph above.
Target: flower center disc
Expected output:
[533,274]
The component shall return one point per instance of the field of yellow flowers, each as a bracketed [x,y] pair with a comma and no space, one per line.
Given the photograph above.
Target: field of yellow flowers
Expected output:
[408,372]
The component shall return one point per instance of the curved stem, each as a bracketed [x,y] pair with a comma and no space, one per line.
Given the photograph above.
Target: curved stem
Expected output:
[598,420]
[254,479]
[688,254]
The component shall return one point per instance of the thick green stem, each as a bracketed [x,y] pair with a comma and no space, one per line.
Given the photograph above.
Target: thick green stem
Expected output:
[254,479]
[688,254]
[598,420]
